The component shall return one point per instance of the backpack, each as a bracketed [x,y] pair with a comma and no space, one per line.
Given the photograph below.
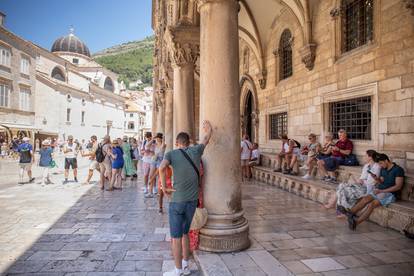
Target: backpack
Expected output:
[297,143]
[100,157]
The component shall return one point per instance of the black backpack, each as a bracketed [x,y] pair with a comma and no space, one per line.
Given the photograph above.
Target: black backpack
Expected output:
[99,154]
[297,143]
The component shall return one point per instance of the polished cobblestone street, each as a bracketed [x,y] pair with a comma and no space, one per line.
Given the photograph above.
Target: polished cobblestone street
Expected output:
[76,229]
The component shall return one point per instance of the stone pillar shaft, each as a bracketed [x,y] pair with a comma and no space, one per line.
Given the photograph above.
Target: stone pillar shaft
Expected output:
[169,129]
[226,229]
[183,99]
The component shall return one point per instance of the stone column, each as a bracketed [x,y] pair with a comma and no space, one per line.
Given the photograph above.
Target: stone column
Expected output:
[226,229]
[183,98]
[160,112]
[169,138]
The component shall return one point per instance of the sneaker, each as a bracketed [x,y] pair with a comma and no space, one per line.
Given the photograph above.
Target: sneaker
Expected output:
[149,196]
[352,222]
[332,180]
[277,170]
[186,268]
[76,180]
[288,171]
[65,181]
[173,273]
[307,176]
[31,180]
[325,178]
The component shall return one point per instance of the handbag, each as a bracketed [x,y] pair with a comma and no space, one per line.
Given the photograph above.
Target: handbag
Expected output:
[201,214]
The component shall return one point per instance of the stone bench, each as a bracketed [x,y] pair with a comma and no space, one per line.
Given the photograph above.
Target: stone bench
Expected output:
[396,216]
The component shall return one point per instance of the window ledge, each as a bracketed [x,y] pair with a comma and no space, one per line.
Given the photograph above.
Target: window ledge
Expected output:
[5,68]
[357,51]
[26,76]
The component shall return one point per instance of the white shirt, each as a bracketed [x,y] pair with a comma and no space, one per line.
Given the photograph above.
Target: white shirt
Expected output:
[255,154]
[245,145]
[367,178]
[72,150]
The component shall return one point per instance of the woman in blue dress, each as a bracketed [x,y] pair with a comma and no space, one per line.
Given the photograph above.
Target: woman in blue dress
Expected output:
[116,154]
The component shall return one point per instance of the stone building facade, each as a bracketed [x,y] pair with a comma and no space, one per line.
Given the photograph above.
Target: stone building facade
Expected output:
[56,93]
[17,85]
[271,67]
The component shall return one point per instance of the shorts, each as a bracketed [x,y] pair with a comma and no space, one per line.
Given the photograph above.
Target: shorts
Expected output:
[93,165]
[332,163]
[146,167]
[71,162]
[384,198]
[105,168]
[180,217]
[26,166]
[245,162]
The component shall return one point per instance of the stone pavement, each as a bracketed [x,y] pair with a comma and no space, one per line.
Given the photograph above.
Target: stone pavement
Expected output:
[79,230]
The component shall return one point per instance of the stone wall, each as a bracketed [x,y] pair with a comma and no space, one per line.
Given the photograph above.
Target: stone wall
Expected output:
[383,69]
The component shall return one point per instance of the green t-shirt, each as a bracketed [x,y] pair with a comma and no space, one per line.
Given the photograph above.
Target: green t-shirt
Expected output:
[185,180]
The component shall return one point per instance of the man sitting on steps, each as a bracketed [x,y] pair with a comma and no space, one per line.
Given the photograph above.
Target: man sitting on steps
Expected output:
[390,182]
[289,153]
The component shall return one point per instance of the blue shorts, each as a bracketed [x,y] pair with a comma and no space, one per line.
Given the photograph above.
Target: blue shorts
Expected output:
[384,198]
[332,163]
[180,217]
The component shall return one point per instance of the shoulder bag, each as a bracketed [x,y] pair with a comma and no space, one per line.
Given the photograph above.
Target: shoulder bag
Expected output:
[201,214]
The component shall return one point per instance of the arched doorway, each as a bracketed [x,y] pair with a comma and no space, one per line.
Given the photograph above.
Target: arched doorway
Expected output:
[248,109]
[248,115]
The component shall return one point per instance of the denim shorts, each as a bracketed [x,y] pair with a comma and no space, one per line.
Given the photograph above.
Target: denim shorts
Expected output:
[180,216]
[384,198]
[332,163]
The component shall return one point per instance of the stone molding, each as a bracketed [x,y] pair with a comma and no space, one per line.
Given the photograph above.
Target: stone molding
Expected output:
[308,55]
[201,3]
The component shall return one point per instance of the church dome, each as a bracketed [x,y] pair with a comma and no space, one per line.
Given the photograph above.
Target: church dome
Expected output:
[70,43]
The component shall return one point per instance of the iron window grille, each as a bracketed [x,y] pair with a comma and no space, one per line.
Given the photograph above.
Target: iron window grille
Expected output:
[357,23]
[285,54]
[352,115]
[277,125]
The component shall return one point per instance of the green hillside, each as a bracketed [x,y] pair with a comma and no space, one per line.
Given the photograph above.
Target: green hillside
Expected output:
[131,61]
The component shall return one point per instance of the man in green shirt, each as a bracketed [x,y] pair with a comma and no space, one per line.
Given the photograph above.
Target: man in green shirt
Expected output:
[184,194]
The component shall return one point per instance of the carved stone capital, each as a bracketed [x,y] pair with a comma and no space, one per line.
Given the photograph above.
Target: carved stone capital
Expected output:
[307,54]
[183,44]
[409,4]
[183,54]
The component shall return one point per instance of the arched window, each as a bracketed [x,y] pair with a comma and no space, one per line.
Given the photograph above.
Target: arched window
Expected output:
[58,74]
[285,55]
[109,85]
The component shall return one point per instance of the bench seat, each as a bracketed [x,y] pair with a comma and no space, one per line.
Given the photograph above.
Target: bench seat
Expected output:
[396,216]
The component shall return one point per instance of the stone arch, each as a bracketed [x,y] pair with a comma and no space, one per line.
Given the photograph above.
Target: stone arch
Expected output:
[58,73]
[109,84]
[249,108]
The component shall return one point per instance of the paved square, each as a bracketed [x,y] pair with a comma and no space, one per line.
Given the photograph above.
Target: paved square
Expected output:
[77,229]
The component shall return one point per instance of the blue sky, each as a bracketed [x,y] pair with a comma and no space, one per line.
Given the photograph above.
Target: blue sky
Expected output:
[98,23]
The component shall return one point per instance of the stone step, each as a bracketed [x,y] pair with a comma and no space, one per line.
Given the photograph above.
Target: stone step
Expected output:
[346,172]
[396,216]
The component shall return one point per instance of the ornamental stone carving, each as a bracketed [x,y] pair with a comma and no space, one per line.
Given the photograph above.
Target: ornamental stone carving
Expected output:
[263,79]
[183,54]
[307,54]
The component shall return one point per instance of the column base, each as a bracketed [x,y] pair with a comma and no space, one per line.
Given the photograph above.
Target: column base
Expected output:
[225,233]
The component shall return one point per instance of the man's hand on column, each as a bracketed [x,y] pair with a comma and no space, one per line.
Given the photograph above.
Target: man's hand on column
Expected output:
[208,130]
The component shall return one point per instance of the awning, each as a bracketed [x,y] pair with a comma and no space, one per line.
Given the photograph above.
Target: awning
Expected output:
[17,126]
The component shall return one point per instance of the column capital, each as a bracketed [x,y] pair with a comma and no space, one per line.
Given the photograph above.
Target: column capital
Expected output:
[183,44]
